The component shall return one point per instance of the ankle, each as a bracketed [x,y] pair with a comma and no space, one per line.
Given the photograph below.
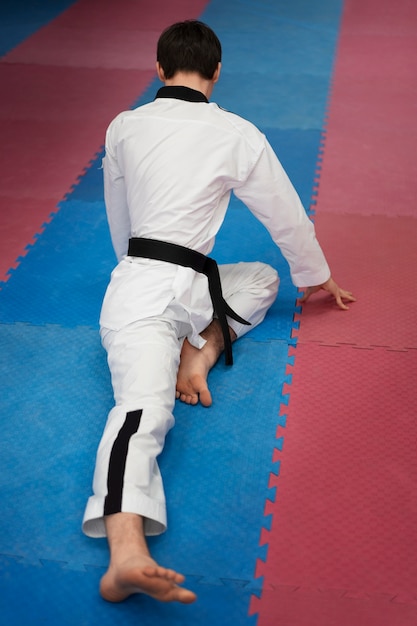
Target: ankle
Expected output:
[214,345]
[126,537]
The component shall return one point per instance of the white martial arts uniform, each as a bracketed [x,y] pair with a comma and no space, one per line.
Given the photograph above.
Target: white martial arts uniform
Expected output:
[169,169]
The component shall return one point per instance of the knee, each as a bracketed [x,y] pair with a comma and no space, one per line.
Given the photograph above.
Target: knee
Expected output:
[267,277]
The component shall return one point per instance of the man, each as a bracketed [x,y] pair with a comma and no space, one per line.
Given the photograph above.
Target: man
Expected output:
[169,169]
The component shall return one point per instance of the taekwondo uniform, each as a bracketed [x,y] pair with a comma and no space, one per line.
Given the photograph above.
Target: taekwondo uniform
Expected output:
[169,169]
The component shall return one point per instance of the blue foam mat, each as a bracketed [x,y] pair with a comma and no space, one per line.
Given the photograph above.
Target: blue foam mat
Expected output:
[261,15]
[45,474]
[51,595]
[283,55]
[89,187]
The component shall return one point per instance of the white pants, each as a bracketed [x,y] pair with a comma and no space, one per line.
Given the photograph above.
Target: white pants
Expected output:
[143,359]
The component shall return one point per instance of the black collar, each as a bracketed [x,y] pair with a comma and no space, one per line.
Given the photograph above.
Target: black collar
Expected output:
[181,93]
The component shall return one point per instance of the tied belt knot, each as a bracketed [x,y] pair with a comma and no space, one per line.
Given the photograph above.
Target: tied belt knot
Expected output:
[180,255]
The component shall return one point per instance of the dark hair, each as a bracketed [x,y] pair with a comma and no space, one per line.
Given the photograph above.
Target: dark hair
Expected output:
[189,46]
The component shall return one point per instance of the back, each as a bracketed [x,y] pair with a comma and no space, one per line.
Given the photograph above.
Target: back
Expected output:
[177,161]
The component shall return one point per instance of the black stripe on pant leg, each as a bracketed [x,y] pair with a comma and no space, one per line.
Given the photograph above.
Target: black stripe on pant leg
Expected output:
[117,463]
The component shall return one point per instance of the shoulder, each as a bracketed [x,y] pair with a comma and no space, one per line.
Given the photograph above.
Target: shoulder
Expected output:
[119,125]
[125,116]
[239,125]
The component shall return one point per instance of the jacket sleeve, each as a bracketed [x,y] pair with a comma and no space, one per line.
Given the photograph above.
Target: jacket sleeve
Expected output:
[271,197]
[115,198]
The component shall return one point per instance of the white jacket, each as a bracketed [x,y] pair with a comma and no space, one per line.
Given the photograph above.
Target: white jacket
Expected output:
[169,169]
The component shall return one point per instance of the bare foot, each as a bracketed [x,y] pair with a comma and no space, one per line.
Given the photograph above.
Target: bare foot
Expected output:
[192,375]
[132,569]
[143,575]
[195,365]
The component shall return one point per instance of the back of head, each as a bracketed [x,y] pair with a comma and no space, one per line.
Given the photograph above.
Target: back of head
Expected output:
[189,46]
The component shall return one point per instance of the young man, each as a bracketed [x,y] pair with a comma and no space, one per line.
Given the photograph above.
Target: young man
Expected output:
[169,169]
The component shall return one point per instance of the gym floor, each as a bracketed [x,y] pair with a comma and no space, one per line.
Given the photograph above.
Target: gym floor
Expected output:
[292,500]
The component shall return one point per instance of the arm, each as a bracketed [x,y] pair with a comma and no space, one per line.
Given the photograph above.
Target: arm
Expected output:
[271,197]
[116,201]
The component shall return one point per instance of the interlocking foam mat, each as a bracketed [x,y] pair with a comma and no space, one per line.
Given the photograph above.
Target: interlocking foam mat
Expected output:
[216,462]
[342,543]
[306,455]
[343,519]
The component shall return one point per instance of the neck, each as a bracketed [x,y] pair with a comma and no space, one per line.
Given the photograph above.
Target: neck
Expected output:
[191,80]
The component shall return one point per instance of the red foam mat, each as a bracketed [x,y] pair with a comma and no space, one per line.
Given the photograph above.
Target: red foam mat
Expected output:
[379,16]
[51,131]
[20,219]
[341,549]
[66,47]
[293,606]
[371,135]
[68,94]
[52,124]
[105,33]
[344,516]
[376,175]
[376,258]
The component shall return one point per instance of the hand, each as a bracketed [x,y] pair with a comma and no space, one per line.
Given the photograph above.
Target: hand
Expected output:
[331,287]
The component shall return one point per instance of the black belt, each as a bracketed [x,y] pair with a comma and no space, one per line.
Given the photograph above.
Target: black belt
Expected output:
[180,255]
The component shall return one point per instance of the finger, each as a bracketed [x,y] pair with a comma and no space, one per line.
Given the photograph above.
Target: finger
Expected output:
[341,304]
[348,295]
[339,299]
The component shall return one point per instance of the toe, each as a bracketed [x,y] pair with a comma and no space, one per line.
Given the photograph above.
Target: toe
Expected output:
[205,397]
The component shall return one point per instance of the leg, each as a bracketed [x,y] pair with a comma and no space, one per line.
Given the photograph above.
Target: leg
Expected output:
[250,289]
[143,360]
[128,500]
[132,570]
